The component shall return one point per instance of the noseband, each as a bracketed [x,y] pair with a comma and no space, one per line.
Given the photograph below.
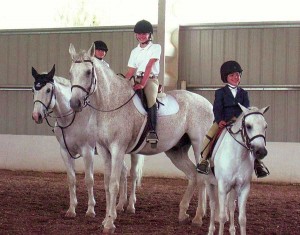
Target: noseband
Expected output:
[93,81]
[245,137]
[48,105]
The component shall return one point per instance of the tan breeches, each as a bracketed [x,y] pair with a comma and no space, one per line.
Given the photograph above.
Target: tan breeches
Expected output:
[151,90]
[209,136]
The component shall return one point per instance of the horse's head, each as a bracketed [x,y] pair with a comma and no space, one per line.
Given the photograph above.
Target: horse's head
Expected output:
[82,76]
[253,130]
[43,94]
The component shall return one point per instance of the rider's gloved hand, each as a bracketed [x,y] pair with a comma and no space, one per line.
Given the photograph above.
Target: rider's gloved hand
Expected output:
[138,87]
[222,124]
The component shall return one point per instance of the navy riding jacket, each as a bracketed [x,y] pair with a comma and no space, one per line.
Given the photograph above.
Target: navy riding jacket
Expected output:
[226,106]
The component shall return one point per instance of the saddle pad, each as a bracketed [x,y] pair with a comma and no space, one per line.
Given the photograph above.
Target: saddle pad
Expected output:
[169,105]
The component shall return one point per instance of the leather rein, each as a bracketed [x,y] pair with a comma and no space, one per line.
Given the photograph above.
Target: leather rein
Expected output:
[89,93]
[47,114]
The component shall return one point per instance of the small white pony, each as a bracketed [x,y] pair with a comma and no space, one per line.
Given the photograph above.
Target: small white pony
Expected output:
[233,160]
[74,133]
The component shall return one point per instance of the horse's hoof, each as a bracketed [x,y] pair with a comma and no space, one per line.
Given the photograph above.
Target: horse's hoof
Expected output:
[130,210]
[197,222]
[70,214]
[120,208]
[185,219]
[109,230]
[90,214]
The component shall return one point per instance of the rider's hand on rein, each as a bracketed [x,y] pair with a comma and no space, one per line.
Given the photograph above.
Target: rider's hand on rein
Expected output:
[138,87]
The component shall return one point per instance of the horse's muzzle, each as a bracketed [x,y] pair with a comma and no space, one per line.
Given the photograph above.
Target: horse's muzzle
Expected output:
[76,105]
[260,153]
[37,117]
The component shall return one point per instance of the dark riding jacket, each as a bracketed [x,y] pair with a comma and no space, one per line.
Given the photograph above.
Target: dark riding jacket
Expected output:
[226,106]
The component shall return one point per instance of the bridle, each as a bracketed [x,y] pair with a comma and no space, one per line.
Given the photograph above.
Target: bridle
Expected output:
[93,82]
[47,107]
[243,130]
[47,113]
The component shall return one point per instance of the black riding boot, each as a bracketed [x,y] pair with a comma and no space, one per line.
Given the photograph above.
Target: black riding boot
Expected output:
[152,136]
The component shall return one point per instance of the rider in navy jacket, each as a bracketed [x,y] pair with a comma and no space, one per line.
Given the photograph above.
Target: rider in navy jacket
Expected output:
[226,109]
[226,106]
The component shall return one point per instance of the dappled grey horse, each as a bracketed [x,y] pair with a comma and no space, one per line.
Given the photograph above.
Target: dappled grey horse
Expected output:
[119,123]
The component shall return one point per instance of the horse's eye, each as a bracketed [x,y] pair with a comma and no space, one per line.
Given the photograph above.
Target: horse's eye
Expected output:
[88,73]
[48,90]
[249,127]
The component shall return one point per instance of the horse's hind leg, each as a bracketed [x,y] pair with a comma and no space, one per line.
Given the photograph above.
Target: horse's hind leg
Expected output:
[136,173]
[201,208]
[181,160]
[70,166]
[89,181]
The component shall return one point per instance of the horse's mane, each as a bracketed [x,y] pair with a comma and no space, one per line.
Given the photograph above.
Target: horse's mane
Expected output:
[62,81]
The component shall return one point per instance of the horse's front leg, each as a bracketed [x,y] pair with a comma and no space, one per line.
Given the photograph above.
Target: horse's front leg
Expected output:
[107,173]
[211,191]
[231,206]
[116,169]
[242,200]
[222,193]
[70,166]
[89,180]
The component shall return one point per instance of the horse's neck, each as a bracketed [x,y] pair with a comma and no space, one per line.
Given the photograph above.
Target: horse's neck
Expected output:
[63,96]
[112,91]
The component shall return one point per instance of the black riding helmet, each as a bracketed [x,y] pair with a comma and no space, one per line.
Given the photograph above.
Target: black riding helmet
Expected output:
[143,26]
[100,45]
[229,67]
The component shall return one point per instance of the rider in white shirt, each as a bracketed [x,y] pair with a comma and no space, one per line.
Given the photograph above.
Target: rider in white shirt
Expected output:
[144,65]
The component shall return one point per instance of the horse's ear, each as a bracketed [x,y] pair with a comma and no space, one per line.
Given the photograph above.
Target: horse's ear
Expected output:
[72,50]
[91,51]
[244,109]
[52,72]
[34,72]
[265,109]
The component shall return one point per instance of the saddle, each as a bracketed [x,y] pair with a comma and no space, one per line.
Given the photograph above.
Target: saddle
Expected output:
[213,142]
[167,105]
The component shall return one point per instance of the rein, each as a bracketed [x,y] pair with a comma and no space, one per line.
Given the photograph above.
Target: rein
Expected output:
[245,137]
[93,82]
[89,93]
[47,114]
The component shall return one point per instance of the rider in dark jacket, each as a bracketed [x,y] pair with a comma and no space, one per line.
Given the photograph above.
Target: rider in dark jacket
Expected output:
[226,109]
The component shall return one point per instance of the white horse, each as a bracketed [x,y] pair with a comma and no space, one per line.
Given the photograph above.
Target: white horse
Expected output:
[119,123]
[74,133]
[233,160]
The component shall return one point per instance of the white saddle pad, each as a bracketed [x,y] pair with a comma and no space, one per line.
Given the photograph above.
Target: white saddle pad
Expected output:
[169,105]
